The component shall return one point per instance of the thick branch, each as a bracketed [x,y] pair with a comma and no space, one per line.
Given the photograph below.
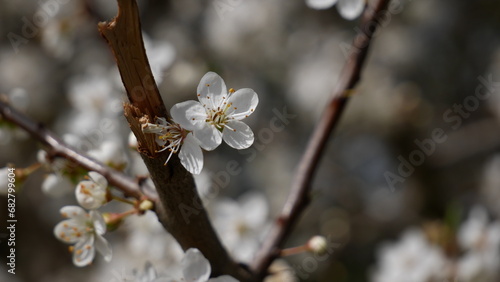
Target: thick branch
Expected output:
[301,185]
[181,211]
[57,148]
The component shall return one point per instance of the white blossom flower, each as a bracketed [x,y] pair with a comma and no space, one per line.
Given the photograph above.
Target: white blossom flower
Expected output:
[56,185]
[85,231]
[196,268]
[148,275]
[481,241]
[412,259]
[91,193]
[174,138]
[92,92]
[110,153]
[281,271]
[218,114]
[348,9]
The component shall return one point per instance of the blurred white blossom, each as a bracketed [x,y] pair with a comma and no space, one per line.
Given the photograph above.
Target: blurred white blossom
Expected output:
[348,9]
[147,238]
[92,92]
[481,241]
[241,223]
[56,185]
[161,54]
[412,259]
[195,267]
[148,275]
[491,183]
[4,171]
[111,153]
[281,271]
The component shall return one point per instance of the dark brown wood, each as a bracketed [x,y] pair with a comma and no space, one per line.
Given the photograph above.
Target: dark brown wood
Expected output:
[180,209]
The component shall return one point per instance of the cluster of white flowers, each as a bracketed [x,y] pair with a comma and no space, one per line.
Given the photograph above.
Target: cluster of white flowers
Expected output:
[204,124]
[412,259]
[416,259]
[480,241]
[83,229]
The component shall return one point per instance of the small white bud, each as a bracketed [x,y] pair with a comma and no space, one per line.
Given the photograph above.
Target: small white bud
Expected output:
[146,205]
[317,245]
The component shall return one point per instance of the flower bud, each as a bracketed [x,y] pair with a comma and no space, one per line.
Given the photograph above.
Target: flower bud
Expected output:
[146,205]
[317,245]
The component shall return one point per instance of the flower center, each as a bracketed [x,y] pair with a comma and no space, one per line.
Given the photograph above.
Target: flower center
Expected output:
[219,117]
[174,135]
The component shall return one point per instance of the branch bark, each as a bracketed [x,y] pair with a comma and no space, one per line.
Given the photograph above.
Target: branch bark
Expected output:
[57,148]
[180,210]
[299,197]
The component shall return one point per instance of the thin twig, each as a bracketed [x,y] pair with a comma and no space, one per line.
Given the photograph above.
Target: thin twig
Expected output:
[299,196]
[57,148]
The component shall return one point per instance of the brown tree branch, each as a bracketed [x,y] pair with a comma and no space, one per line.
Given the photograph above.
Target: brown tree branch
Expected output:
[57,148]
[180,210]
[299,196]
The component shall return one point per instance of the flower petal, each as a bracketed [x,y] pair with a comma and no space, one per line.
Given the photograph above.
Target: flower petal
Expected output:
[238,135]
[190,115]
[153,128]
[243,103]
[209,137]
[195,267]
[98,222]
[320,4]
[190,155]
[351,9]
[103,247]
[65,230]
[212,90]
[84,251]
[75,212]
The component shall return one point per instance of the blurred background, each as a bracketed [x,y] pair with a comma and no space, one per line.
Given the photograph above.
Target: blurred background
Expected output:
[408,188]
